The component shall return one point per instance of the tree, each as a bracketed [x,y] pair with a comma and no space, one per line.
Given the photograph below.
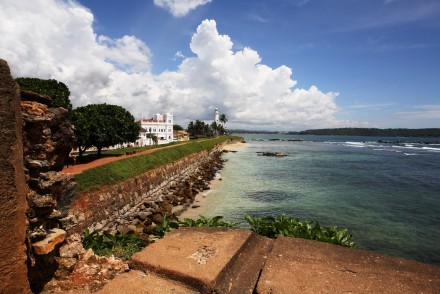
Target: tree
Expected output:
[56,90]
[103,125]
[153,138]
[199,129]
[223,119]
[177,128]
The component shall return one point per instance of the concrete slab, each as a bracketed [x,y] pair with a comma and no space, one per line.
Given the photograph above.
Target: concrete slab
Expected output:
[137,282]
[219,260]
[305,266]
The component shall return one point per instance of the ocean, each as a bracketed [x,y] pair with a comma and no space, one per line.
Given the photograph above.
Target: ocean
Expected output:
[386,194]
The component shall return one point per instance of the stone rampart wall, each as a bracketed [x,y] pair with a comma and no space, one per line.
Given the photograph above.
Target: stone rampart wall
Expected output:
[150,195]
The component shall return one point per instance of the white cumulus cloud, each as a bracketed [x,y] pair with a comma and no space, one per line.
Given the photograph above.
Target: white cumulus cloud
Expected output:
[180,8]
[55,39]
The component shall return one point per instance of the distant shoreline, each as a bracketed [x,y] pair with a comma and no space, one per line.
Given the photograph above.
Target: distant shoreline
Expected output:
[362,132]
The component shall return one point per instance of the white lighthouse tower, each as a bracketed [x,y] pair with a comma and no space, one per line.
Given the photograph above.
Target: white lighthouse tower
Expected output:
[216,116]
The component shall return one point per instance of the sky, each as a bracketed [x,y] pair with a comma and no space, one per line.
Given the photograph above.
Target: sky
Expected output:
[283,65]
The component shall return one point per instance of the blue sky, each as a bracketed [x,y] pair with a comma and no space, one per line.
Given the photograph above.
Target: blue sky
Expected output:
[282,64]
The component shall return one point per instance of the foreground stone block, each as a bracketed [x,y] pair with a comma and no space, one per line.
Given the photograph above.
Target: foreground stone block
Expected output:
[137,282]
[305,266]
[55,237]
[217,260]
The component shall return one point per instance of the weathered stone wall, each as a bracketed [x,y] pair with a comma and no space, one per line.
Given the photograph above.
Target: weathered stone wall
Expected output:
[13,189]
[35,141]
[47,141]
[137,203]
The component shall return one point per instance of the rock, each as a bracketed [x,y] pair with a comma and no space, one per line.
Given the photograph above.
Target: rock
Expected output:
[31,96]
[68,221]
[125,230]
[73,247]
[42,201]
[55,237]
[143,215]
[98,227]
[37,164]
[55,214]
[65,266]
[137,230]
[157,218]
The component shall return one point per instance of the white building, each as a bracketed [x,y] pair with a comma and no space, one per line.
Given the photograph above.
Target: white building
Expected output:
[161,126]
[216,116]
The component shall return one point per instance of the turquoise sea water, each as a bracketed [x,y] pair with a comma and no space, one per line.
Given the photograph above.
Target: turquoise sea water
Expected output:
[387,194]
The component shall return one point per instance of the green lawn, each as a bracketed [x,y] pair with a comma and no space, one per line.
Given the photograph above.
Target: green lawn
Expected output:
[130,167]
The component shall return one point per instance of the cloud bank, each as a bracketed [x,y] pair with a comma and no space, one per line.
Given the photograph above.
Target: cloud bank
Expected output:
[55,39]
[179,8]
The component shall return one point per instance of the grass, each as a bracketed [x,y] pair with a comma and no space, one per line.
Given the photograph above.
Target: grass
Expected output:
[127,168]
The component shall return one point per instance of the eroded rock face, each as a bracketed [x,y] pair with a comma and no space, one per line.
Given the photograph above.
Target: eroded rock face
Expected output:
[47,141]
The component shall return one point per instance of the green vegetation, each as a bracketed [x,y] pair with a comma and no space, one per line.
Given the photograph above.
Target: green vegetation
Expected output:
[199,129]
[206,222]
[125,245]
[105,244]
[58,91]
[287,226]
[170,221]
[177,128]
[133,166]
[433,132]
[103,125]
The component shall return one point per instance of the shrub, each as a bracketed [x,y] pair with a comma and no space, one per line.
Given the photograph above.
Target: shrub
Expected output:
[120,245]
[287,226]
[206,222]
[56,90]
[170,221]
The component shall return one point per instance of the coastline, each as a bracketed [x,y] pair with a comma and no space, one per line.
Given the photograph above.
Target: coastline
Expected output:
[204,199]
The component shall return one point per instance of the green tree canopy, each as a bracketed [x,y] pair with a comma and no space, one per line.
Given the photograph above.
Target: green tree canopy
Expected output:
[103,125]
[199,129]
[177,128]
[56,90]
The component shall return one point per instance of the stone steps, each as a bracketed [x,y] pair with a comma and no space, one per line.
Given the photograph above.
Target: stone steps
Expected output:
[224,260]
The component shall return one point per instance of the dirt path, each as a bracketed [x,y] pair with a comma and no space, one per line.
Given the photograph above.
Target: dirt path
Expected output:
[78,168]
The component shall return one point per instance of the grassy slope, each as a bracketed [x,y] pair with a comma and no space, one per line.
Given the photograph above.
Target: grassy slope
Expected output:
[124,169]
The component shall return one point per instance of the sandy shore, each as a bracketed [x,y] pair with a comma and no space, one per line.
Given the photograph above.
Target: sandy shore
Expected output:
[203,199]
[231,147]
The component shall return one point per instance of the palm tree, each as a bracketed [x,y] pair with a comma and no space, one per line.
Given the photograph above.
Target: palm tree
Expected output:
[223,119]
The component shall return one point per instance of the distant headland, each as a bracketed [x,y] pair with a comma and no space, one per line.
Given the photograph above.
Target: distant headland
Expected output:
[374,132]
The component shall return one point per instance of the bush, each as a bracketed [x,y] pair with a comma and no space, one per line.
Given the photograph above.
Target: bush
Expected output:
[287,226]
[121,245]
[170,221]
[56,90]
[206,222]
